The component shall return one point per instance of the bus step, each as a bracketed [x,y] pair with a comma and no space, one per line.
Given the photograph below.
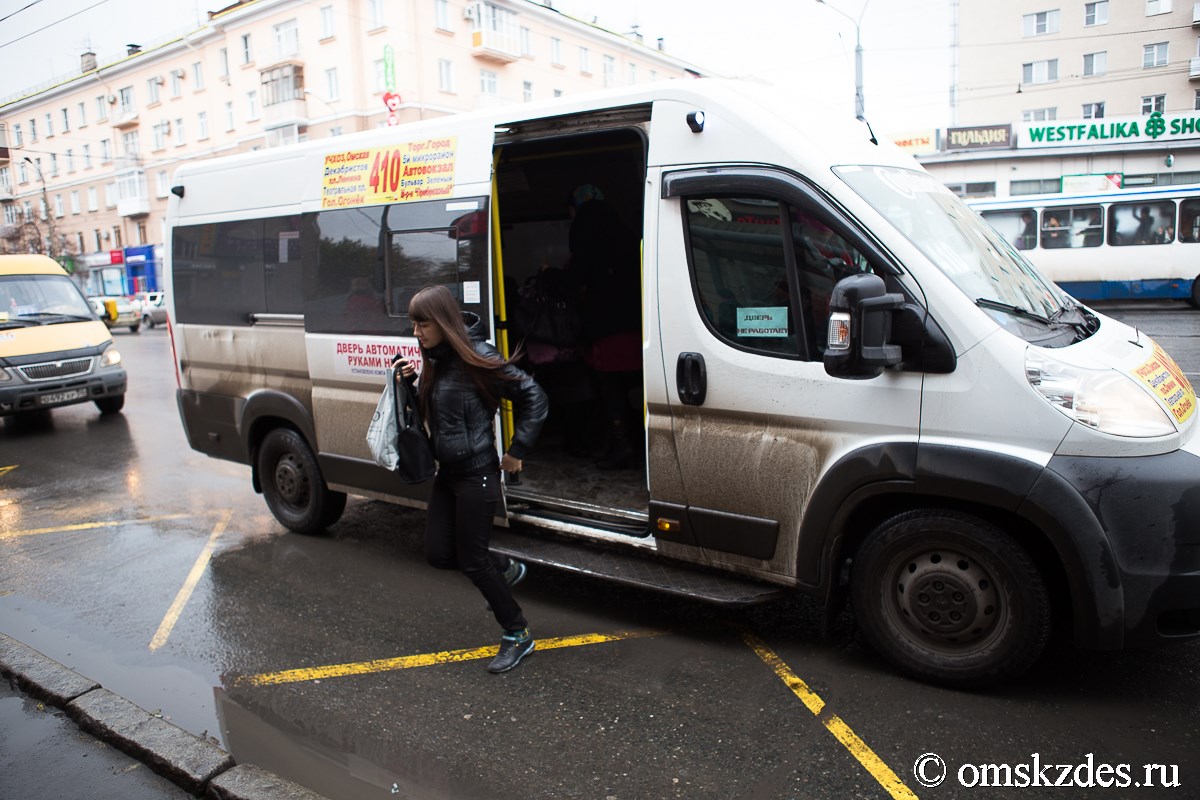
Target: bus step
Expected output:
[633,570]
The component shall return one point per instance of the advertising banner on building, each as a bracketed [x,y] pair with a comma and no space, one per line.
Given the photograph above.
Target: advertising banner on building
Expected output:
[1156,127]
[980,137]
[917,143]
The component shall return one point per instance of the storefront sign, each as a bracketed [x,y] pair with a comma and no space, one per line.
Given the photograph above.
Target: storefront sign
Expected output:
[979,137]
[1082,184]
[410,171]
[1156,127]
[116,256]
[917,143]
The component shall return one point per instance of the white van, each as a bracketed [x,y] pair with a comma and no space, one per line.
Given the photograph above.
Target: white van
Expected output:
[844,382]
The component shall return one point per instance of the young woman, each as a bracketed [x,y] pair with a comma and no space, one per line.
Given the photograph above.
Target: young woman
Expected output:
[462,380]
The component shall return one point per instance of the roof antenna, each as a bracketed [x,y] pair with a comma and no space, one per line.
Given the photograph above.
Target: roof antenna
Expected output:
[869,130]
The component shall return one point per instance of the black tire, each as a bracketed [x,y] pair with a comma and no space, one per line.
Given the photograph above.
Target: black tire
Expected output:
[149,323]
[135,328]
[111,405]
[950,598]
[293,486]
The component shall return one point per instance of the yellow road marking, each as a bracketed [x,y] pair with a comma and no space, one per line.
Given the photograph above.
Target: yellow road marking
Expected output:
[87,526]
[426,659]
[5,470]
[189,585]
[849,739]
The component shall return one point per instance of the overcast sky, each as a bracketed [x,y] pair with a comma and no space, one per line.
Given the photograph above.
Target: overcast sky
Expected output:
[805,47]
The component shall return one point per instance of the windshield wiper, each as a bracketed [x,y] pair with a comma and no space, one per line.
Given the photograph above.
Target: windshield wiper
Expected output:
[1009,308]
[54,314]
[12,322]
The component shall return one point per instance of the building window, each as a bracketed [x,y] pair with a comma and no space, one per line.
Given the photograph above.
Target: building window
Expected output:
[1095,13]
[81,113]
[152,91]
[446,75]
[176,82]
[1196,103]
[526,42]
[105,151]
[66,120]
[1093,110]
[441,14]
[1036,186]
[1040,71]
[202,125]
[332,90]
[282,84]
[70,160]
[130,141]
[374,14]
[53,165]
[92,201]
[18,137]
[49,124]
[180,140]
[75,203]
[556,51]
[287,38]
[381,76]
[527,91]
[87,156]
[160,132]
[610,71]
[585,62]
[1095,64]
[970,190]
[488,82]
[1039,114]
[251,105]
[229,115]
[1154,102]
[125,97]
[223,64]
[197,76]
[1154,7]
[1154,55]
[101,109]
[247,49]
[558,93]
[632,74]
[58,205]
[1040,24]
[162,183]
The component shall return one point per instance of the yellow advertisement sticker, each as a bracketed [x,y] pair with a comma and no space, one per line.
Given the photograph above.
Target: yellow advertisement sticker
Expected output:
[403,173]
[1166,379]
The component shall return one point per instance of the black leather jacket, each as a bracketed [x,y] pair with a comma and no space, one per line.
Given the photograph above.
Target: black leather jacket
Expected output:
[461,423]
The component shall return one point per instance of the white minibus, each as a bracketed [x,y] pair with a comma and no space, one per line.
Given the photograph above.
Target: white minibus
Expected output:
[843,382]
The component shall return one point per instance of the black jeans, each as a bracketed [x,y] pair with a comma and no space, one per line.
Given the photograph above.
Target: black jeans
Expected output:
[458,527]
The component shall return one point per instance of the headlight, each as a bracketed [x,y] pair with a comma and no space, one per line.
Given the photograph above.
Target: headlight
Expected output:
[110,358]
[1104,399]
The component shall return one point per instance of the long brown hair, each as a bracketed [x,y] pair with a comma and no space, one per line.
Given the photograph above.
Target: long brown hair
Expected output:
[437,304]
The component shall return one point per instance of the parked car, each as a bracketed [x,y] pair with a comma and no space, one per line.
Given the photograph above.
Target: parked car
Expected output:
[117,312]
[153,306]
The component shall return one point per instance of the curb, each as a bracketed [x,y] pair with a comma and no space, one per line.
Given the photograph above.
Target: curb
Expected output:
[192,763]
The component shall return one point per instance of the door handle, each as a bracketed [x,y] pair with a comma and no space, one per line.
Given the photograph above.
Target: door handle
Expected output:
[691,379]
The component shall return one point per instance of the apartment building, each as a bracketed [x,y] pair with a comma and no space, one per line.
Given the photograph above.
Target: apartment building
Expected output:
[86,161]
[1099,93]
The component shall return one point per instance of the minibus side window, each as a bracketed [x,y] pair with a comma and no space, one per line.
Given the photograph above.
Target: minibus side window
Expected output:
[739,272]
[1141,223]
[1189,220]
[284,274]
[1018,226]
[823,258]
[217,271]
[345,282]
[417,259]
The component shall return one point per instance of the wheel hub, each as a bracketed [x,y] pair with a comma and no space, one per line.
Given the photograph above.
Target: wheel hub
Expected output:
[289,479]
[947,596]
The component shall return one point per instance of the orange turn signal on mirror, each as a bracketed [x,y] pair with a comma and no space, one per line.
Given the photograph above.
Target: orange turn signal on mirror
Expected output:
[667,525]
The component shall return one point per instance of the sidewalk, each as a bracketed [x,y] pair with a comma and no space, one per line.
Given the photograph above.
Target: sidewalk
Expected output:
[188,765]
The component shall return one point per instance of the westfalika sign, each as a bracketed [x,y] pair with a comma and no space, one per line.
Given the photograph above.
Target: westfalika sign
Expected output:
[1156,127]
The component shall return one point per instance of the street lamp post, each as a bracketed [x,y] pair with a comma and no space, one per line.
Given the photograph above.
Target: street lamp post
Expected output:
[50,241]
[859,103]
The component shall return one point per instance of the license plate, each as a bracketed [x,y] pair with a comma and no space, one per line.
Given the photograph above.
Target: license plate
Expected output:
[62,397]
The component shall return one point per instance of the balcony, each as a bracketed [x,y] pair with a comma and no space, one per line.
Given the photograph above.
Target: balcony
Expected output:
[1194,69]
[495,46]
[134,206]
[126,120]
[286,112]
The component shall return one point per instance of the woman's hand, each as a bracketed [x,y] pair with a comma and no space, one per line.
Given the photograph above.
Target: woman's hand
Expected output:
[510,464]
[407,368]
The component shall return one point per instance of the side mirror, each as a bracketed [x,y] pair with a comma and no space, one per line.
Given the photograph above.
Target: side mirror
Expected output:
[860,326]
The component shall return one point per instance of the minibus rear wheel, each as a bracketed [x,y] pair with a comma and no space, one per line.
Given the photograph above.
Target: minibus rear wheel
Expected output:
[950,598]
[293,486]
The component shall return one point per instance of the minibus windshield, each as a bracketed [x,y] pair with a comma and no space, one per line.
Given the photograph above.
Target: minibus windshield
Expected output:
[964,247]
[41,300]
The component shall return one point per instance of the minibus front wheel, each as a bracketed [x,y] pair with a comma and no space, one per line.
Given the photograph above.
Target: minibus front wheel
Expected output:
[950,598]
[293,486]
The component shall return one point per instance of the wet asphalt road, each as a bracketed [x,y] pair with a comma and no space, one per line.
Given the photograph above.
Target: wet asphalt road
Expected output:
[103,520]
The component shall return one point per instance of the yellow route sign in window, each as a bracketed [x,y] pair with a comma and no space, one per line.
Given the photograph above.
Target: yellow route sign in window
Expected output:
[402,173]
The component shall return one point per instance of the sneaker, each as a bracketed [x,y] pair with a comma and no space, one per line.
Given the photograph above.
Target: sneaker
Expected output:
[514,573]
[513,647]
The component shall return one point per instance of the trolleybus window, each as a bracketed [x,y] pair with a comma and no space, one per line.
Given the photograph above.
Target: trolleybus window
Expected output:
[1151,222]
[1072,226]
[1189,220]
[1018,226]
